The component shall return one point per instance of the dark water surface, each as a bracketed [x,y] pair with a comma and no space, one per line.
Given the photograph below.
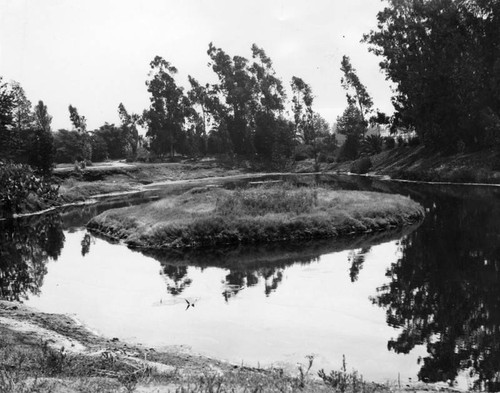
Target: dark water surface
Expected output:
[423,301]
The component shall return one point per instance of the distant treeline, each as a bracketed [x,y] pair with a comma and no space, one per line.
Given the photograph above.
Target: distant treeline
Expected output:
[443,57]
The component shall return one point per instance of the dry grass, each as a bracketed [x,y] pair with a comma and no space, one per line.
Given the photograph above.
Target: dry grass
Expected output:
[72,190]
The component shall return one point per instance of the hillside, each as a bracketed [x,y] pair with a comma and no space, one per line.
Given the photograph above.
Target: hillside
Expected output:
[418,163]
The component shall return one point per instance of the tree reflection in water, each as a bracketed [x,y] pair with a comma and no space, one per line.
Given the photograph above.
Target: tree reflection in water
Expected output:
[444,290]
[248,265]
[176,278]
[236,280]
[356,259]
[26,244]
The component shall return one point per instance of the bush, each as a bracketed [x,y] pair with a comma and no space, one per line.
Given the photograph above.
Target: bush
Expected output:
[372,144]
[303,152]
[390,142]
[361,166]
[415,141]
[23,191]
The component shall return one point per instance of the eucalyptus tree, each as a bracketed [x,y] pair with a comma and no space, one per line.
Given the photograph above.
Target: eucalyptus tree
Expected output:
[42,118]
[42,152]
[200,96]
[236,87]
[22,112]
[302,109]
[169,108]
[128,126]
[6,120]
[273,138]
[351,124]
[80,127]
[356,92]
[443,59]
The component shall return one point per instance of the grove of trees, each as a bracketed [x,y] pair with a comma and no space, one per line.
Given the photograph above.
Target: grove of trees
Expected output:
[442,57]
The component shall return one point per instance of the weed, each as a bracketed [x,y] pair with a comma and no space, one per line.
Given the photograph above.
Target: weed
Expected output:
[344,381]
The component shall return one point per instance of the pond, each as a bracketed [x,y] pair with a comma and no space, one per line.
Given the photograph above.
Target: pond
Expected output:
[423,301]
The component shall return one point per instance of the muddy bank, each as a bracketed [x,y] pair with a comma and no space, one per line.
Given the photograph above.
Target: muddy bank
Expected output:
[45,353]
[55,353]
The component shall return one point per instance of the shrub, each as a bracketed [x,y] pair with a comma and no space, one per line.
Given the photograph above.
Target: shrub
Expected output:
[21,190]
[361,166]
[372,144]
[390,142]
[303,152]
[415,141]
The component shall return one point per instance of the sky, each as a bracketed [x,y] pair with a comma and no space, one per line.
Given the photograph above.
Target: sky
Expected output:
[94,54]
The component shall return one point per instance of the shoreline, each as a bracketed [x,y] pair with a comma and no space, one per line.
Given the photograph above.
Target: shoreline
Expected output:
[58,353]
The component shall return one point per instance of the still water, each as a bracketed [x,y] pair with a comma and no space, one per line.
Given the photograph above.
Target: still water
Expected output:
[423,301]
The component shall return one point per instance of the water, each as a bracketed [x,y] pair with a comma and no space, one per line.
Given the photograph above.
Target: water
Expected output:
[385,301]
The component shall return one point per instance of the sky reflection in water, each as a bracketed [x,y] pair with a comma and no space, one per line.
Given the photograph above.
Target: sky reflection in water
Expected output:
[434,292]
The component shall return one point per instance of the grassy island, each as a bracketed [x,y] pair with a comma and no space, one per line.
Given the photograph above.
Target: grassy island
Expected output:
[208,217]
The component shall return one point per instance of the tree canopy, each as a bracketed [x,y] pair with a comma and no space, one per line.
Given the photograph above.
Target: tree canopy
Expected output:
[444,58]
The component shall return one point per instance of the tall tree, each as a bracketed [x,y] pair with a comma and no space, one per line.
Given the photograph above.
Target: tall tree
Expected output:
[42,117]
[22,113]
[269,91]
[6,120]
[79,122]
[80,126]
[200,96]
[42,152]
[129,123]
[169,107]
[353,126]
[356,92]
[302,109]
[236,86]
[443,58]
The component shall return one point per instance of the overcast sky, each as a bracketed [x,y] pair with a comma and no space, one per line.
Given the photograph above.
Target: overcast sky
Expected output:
[94,54]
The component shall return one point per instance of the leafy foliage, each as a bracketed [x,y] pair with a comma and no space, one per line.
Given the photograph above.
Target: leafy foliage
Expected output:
[21,190]
[356,92]
[361,166]
[444,58]
[372,144]
[169,108]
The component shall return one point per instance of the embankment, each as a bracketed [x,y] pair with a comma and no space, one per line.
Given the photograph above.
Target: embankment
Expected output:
[421,164]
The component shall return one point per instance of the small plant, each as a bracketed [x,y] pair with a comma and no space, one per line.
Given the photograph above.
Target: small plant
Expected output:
[361,166]
[372,144]
[343,381]
[303,373]
[22,190]
[414,141]
[390,142]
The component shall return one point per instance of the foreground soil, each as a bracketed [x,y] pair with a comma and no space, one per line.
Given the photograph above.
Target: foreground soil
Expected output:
[45,353]
[213,217]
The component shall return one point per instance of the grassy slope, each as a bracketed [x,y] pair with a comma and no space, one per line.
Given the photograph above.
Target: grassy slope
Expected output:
[102,179]
[216,217]
[418,163]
